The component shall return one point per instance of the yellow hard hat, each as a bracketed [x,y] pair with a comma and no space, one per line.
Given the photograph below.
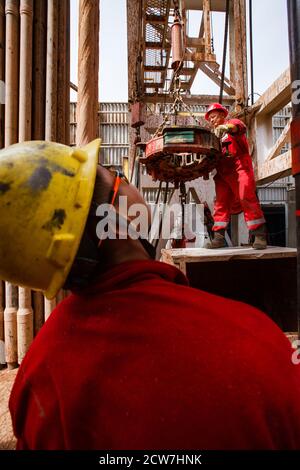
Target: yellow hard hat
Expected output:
[45,195]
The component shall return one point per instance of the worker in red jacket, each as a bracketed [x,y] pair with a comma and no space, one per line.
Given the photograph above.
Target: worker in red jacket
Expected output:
[234,181]
[134,358]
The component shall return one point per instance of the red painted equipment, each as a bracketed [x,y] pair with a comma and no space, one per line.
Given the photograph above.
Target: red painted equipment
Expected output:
[181,154]
[178,154]
[138,116]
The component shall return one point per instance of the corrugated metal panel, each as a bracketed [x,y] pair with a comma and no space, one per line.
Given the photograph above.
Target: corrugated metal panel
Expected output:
[73,124]
[113,156]
[266,195]
[72,113]
[114,134]
[113,113]
[277,191]
[279,121]
[165,108]
[113,130]
[282,182]
[150,195]
[73,134]
[272,194]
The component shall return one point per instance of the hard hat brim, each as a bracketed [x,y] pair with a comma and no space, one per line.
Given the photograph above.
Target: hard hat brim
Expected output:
[220,110]
[88,178]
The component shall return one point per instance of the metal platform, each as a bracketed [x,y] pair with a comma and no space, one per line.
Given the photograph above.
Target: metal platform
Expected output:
[266,279]
[181,256]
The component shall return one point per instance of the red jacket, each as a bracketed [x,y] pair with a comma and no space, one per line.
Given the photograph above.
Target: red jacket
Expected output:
[142,361]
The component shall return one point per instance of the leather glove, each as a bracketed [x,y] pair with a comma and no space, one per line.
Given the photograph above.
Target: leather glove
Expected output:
[221,130]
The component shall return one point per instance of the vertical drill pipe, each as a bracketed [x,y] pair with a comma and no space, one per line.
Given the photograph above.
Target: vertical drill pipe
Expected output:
[2,348]
[11,137]
[224,52]
[67,109]
[24,323]
[96,58]
[26,16]
[87,74]
[2,77]
[294,43]
[38,112]
[11,71]
[10,325]
[62,87]
[38,307]
[51,94]
[2,70]
[51,70]
[207,31]
[25,313]
[39,69]
[183,203]
[251,50]
[162,215]
[49,306]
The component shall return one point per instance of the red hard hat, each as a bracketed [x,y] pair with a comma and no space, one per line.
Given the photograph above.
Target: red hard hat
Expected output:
[215,107]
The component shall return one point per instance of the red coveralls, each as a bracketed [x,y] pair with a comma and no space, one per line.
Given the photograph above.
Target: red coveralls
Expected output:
[139,360]
[235,183]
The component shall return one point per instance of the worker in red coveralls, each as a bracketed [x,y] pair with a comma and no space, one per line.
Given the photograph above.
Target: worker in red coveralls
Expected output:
[234,181]
[134,358]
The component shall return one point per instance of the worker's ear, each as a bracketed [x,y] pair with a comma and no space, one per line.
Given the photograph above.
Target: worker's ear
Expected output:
[103,185]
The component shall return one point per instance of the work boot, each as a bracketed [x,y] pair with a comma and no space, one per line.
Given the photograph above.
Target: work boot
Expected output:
[260,240]
[218,241]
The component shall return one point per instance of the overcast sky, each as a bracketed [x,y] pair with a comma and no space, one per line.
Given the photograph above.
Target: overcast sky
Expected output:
[270,46]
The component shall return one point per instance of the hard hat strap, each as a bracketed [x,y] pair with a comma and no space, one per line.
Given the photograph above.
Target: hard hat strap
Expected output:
[85,264]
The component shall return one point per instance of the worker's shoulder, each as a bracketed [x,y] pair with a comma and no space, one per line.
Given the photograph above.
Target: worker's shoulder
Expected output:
[238,319]
[236,122]
[174,293]
[160,292]
[246,333]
